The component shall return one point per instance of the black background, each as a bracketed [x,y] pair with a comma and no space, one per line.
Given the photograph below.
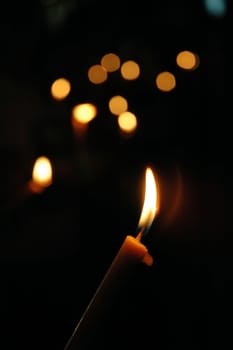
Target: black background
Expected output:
[56,247]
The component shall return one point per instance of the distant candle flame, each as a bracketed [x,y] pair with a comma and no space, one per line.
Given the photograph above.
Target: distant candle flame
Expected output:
[42,172]
[150,206]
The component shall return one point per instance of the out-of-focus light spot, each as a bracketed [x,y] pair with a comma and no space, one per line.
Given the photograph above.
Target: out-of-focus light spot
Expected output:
[165,81]
[41,174]
[111,62]
[84,113]
[117,105]
[127,122]
[215,7]
[60,88]
[130,70]
[187,60]
[97,74]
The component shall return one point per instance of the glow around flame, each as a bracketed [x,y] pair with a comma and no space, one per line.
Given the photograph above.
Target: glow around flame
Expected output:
[150,206]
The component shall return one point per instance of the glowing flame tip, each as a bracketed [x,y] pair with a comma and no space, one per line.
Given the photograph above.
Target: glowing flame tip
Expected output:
[150,206]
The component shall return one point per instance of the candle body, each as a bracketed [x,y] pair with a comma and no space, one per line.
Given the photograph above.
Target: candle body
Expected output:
[131,252]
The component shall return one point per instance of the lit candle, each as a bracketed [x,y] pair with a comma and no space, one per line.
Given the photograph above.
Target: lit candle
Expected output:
[41,175]
[82,115]
[131,252]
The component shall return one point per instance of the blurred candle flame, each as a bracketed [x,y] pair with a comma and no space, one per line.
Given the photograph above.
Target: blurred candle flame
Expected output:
[42,172]
[150,206]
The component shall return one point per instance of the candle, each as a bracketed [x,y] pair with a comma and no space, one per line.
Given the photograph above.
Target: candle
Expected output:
[42,177]
[131,253]
[82,115]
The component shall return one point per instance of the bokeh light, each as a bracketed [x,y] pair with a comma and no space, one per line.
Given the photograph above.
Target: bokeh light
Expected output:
[97,74]
[130,70]
[111,62]
[215,8]
[60,88]
[187,60]
[117,105]
[84,113]
[42,172]
[165,81]
[127,122]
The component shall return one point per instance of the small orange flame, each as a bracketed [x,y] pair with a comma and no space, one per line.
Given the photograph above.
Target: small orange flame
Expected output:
[42,172]
[150,206]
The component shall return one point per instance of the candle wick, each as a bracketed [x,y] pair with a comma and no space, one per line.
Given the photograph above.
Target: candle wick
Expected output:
[142,231]
[139,235]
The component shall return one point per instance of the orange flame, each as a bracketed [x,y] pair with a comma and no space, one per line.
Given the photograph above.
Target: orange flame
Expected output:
[151,203]
[41,174]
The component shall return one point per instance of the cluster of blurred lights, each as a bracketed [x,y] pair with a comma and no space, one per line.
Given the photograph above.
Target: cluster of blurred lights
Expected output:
[186,60]
[127,121]
[109,63]
[82,114]
[130,70]
[118,105]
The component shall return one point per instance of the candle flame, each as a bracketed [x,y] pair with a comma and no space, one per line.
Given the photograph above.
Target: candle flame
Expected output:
[42,172]
[150,206]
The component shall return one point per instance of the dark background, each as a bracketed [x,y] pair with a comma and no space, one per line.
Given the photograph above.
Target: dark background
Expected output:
[56,247]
